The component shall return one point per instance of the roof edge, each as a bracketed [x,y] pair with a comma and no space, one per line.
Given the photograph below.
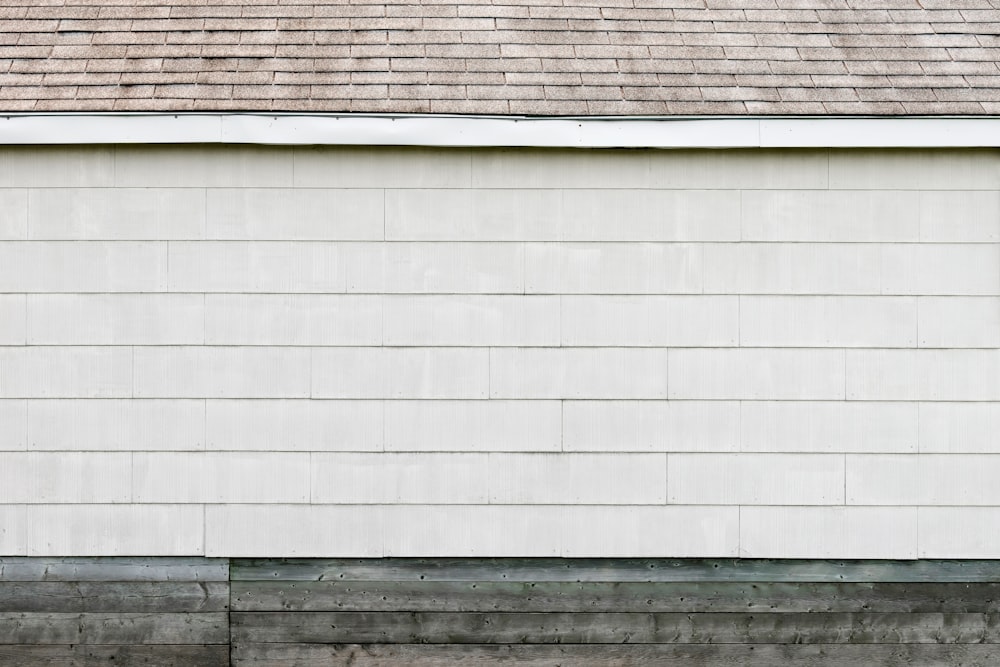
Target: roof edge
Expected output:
[499,131]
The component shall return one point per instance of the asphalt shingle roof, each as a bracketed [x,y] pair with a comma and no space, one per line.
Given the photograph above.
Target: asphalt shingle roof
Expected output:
[524,57]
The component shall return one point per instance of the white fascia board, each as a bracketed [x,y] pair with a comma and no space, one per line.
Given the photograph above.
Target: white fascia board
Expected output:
[498,131]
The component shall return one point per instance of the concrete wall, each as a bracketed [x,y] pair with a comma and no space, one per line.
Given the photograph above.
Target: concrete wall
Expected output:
[401,352]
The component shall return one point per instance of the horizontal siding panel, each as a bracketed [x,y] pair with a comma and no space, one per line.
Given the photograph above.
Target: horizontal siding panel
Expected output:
[753,373]
[380,167]
[116,319]
[13,214]
[388,478]
[584,479]
[613,268]
[100,530]
[400,372]
[953,268]
[693,321]
[302,531]
[578,373]
[57,166]
[264,266]
[830,215]
[65,372]
[651,426]
[285,214]
[293,319]
[205,166]
[755,479]
[816,321]
[560,530]
[294,425]
[942,169]
[65,477]
[75,266]
[561,168]
[959,321]
[435,268]
[14,530]
[959,532]
[960,216]
[650,215]
[115,425]
[931,375]
[13,425]
[829,532]
[116,213]
[828,426]
[13,319]
[959,427]
[220,477]
[792,268]
[754,169]
[925,479]
[221,372]
[507,320]
[477,426]
[473,215]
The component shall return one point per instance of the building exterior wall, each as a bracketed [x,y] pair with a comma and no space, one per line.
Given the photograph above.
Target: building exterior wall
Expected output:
[321,351]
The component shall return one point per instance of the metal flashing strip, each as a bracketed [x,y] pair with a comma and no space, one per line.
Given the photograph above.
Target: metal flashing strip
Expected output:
[499,131]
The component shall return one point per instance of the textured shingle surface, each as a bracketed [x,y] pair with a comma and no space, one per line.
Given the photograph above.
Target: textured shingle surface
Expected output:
[547,57]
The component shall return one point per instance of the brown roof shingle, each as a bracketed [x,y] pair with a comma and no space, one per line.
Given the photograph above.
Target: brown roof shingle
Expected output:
[525,57]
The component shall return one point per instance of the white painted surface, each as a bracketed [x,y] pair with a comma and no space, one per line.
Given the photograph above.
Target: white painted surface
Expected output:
[829,532]
[376,351]
[12,319]
[476,426]
[439,130]
[293,425]
[56,478]
[220,477]
[755,479]
[115,425]
[651,426]
[13,214]
[13,425]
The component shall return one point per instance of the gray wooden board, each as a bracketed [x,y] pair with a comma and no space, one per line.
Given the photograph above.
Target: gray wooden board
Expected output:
[94,656]
[611,628]
[610,570]
[114,596]
[340,595]
[114,569]
[32,628]
[639,655]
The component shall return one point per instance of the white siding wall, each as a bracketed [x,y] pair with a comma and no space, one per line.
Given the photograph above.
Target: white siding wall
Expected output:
[402,352]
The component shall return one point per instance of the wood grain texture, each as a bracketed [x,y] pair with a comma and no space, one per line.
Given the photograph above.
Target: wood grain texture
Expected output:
[111,628]
[662,655]
[114,569]
[615,570]
[613,628]
[114,596]
[94,656]
[685,597]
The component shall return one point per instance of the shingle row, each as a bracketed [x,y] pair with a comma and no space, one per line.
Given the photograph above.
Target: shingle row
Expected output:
[528,57]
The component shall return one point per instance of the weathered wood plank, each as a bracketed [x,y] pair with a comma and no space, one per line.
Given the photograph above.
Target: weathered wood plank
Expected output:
[114,569]
[614,570]
[114,596]
[93,656]
[689,597]
[30,628]
[611,628]
[661,655]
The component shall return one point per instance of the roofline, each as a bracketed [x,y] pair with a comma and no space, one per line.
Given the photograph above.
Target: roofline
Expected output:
[498,131]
